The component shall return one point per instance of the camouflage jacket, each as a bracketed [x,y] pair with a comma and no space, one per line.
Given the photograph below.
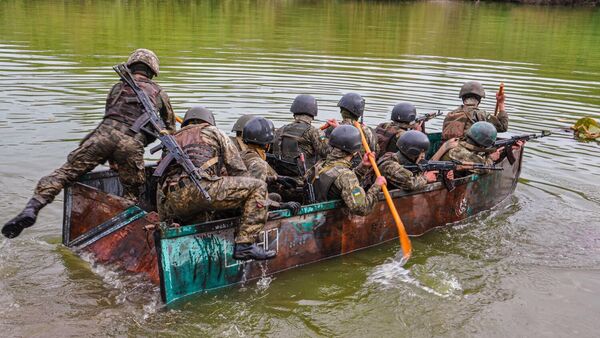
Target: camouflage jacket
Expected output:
[310,140]
[257,167]
[461,119]
[333,178]
[392,168]
[466,152]
[388,134]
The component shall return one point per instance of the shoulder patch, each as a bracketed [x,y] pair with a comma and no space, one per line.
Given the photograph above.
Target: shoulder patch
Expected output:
[358,195]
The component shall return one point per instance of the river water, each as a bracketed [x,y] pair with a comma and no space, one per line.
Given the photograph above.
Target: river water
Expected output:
[529,267]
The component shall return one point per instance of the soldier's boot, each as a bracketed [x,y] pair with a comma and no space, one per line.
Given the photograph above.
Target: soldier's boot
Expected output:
[247,251]
[25,219]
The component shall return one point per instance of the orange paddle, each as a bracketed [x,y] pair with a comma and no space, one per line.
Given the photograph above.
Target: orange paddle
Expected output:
[500,92]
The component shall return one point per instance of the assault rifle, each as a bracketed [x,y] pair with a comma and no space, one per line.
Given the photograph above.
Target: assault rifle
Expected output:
[508,143]
[308,187]
[151,124]
[444,167]
[428,116]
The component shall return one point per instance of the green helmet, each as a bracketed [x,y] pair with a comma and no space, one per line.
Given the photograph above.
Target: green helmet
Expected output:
[482,134]
[146,57]
[198,113]
[238,126]
[472,88]
[346,138]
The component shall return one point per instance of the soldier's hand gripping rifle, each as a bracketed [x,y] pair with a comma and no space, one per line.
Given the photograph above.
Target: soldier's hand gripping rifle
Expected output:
[443,167]
[508,143]
[308,187]
[153,125]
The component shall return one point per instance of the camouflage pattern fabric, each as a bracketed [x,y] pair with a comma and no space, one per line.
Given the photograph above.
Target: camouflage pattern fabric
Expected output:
[109,141]
[257,166]
[391,167]
[370,135]
[466,152]
[146,57]
[312,142]
[460,120]
[387,134]
[238,143]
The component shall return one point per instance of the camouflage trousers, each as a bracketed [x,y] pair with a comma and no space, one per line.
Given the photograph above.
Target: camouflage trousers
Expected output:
[182,201]
[108,141]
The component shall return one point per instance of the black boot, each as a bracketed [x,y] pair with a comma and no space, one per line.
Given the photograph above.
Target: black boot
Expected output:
[23,220]
[246,251]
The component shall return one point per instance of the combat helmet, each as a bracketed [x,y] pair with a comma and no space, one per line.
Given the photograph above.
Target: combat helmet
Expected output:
[412,143]
[346,138]
[404,112]
[238,126]
[198,113]
[146,57]
[483,134]
[354,103]
[305,104]
[472,88]
[258,131]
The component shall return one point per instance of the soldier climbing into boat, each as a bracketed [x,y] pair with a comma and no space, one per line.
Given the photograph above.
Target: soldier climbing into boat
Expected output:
[238,127]
[112,140]
[334,178]
[352,108]
[299,137]
[209,149]
[412,147]
[258,135]
[476,147]
[461,119]
[403,118]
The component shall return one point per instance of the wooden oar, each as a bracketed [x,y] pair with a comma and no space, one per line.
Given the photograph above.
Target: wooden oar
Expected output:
[500,92]
[404,240]
[178,119]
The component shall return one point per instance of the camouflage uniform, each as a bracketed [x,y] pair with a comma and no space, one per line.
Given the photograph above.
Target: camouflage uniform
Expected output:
[460,120]
[257,166]
[333,178]
[348,119]
[392,168]
[238,143]
[466,152]
[208,148]
[388,134]
[112,140]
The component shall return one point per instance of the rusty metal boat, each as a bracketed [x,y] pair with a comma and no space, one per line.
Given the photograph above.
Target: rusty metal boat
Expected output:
[198,257]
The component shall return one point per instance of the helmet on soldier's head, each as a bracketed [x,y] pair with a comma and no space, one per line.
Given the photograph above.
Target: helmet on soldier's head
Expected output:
[258,131]
[238,126]
[346,138]
[146,57]
[472,88]
[412,143]
[354,103]
[404,112]
[305,104]
[482,134]
[198,113]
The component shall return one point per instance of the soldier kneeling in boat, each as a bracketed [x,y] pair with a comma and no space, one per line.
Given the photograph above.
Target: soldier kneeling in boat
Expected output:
[333,178]
[209,149]
[112,140]
[402,120]
[476,147]
[461,119]
[257,136]
[412,147]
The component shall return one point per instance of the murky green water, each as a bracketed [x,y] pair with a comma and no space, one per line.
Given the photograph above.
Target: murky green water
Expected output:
[530,267]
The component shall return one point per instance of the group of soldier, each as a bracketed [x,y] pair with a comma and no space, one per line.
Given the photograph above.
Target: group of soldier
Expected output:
[259,167]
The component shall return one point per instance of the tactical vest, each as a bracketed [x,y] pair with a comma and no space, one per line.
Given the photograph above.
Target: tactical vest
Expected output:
[287,149]
[461,119]
[324,188]
[123,105]
[202,154]
[387,136]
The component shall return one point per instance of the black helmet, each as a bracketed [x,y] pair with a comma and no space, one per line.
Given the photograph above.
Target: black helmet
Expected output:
[354,103]
[346,138]
[482,134]
[305,104]
[198,113]
[412,143]
[472,88]
[238,126]
[404,112]
[258,131]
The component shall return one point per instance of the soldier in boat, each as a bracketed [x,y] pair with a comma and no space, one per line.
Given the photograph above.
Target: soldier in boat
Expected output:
[299,137]
[352,107]
[334,178]
[477,147]
[403,119]
[258,135]
[412,147]
[209,149]
[112,140]
[461,119]
[238,127]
